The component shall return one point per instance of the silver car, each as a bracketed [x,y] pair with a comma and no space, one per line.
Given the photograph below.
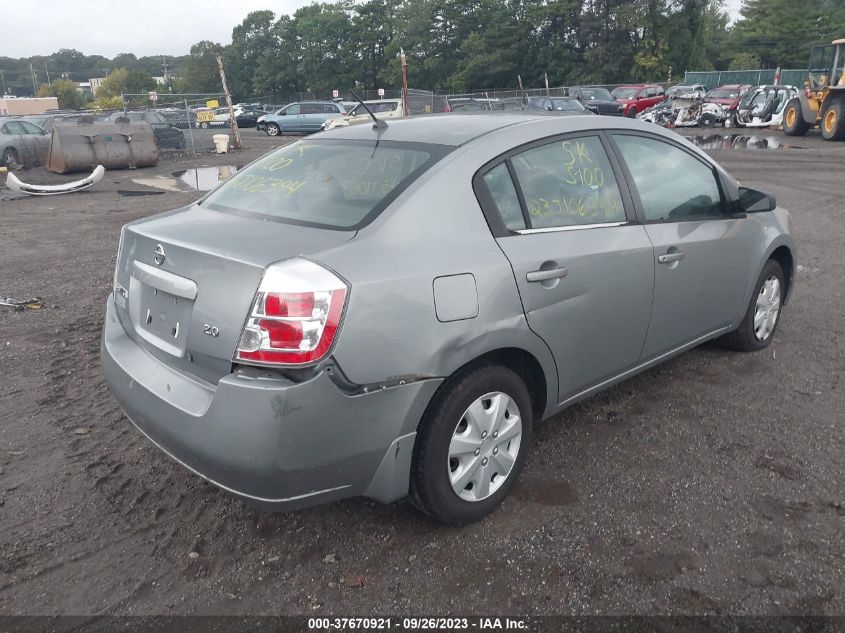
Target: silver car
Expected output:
[22,142]
[391,311]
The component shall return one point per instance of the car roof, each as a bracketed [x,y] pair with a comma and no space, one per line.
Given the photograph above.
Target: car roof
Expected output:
[731,86]
[454,129]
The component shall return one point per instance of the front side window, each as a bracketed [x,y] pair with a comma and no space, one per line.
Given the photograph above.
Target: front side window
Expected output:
[569,183]
[31,128]
[339,184]
[673,185]
[293,109]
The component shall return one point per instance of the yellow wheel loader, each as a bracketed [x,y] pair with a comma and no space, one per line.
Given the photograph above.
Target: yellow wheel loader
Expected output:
[822,102]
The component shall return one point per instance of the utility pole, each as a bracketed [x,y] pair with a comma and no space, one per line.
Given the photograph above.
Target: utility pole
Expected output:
[47,71]
[236,137]
[34,87]
[404,80]
[3,81]
[546,76]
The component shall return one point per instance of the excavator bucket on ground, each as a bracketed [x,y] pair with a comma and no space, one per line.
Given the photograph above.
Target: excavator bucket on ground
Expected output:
[119,145]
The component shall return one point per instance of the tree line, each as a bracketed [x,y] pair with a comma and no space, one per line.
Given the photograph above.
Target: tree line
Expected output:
[461,45]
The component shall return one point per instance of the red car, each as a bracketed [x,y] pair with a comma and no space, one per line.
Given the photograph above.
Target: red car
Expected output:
[636,98]
[727,96]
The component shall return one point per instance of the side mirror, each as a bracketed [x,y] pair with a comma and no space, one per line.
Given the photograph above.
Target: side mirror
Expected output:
[753,201]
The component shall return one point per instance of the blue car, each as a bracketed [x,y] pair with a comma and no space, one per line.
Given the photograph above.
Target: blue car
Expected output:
[302,117]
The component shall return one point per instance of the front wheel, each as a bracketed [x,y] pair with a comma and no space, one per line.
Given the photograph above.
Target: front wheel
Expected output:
[793,119]
[273,129]
[471,445]
[632,113]
[833,121]
[758,326]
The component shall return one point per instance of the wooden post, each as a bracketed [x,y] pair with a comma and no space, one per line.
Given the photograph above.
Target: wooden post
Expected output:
[236,137]
[404,81]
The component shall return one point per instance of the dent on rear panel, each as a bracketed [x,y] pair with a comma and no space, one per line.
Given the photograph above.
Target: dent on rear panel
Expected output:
[455,297]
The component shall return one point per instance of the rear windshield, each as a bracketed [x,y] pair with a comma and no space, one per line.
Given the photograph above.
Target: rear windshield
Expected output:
[338,184]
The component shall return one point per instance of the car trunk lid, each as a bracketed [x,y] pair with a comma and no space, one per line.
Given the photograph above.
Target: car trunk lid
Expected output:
[186,280]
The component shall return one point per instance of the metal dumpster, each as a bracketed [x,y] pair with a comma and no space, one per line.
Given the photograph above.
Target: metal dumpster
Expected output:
[84,145]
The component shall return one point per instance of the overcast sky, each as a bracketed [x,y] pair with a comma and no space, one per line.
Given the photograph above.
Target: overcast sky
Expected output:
[147,27]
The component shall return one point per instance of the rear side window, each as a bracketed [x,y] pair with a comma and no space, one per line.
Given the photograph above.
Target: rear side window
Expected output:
[569,183]
[673,185]
[500,185]
[339,184]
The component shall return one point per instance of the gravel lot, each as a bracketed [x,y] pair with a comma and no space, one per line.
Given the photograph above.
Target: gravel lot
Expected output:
[711,484]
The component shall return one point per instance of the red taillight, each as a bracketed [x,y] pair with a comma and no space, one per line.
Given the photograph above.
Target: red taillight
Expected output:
[295,315]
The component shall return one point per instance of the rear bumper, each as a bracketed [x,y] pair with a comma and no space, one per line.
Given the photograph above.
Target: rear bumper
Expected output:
[264,438]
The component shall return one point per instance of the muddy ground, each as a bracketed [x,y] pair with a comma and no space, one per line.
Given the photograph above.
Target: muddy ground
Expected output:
[712,484]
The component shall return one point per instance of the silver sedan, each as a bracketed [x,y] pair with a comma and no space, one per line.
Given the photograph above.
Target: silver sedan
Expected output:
[389,311]
[22,143]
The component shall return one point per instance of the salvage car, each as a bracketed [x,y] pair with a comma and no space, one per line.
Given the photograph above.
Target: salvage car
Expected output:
[762,106]
[22,143]
[383,108]
[303,117]
[637,98]
[391,311]
[693,90]
[728,96]
[597,100]
[558,105]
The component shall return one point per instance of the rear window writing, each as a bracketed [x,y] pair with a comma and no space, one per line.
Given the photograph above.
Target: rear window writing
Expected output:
[339,184]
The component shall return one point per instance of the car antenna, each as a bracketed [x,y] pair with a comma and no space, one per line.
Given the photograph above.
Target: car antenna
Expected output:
[378,124]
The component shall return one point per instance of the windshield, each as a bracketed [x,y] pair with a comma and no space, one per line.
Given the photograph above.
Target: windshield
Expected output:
[339,184]
[624,93]
[567,105]
[724,93]
[596,94]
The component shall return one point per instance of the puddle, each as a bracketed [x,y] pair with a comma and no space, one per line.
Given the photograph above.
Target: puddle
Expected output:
[194,179]
[205,178]
[739,141]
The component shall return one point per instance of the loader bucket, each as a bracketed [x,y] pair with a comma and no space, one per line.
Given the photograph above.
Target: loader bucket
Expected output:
[84,145]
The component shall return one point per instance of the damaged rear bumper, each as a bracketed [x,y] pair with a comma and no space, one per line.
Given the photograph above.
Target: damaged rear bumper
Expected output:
[263,437]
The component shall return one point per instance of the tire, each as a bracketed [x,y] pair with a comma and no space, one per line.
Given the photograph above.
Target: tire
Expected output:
[632,113]
[793,119]
[833,121]
[9,157]
[729,122]
[707,120]
[273,129]
[448,419]
[747,337]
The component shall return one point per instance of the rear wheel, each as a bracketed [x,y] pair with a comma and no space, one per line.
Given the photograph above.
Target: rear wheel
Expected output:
[471,445]
[9,157]
[273,129]
[761,319]
[833,121]
[793,120]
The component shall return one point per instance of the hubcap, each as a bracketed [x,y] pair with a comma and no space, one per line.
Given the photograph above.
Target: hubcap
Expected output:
[830,121]
[767,309]
[484,446]
[790,117]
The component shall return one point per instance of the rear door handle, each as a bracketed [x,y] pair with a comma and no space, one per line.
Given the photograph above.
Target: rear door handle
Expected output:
[545,275]
[668,258]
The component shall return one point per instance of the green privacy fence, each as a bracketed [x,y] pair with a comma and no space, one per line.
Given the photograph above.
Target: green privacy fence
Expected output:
[714,78]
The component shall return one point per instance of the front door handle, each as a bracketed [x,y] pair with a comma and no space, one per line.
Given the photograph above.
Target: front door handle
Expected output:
[545,275]
[668,258]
